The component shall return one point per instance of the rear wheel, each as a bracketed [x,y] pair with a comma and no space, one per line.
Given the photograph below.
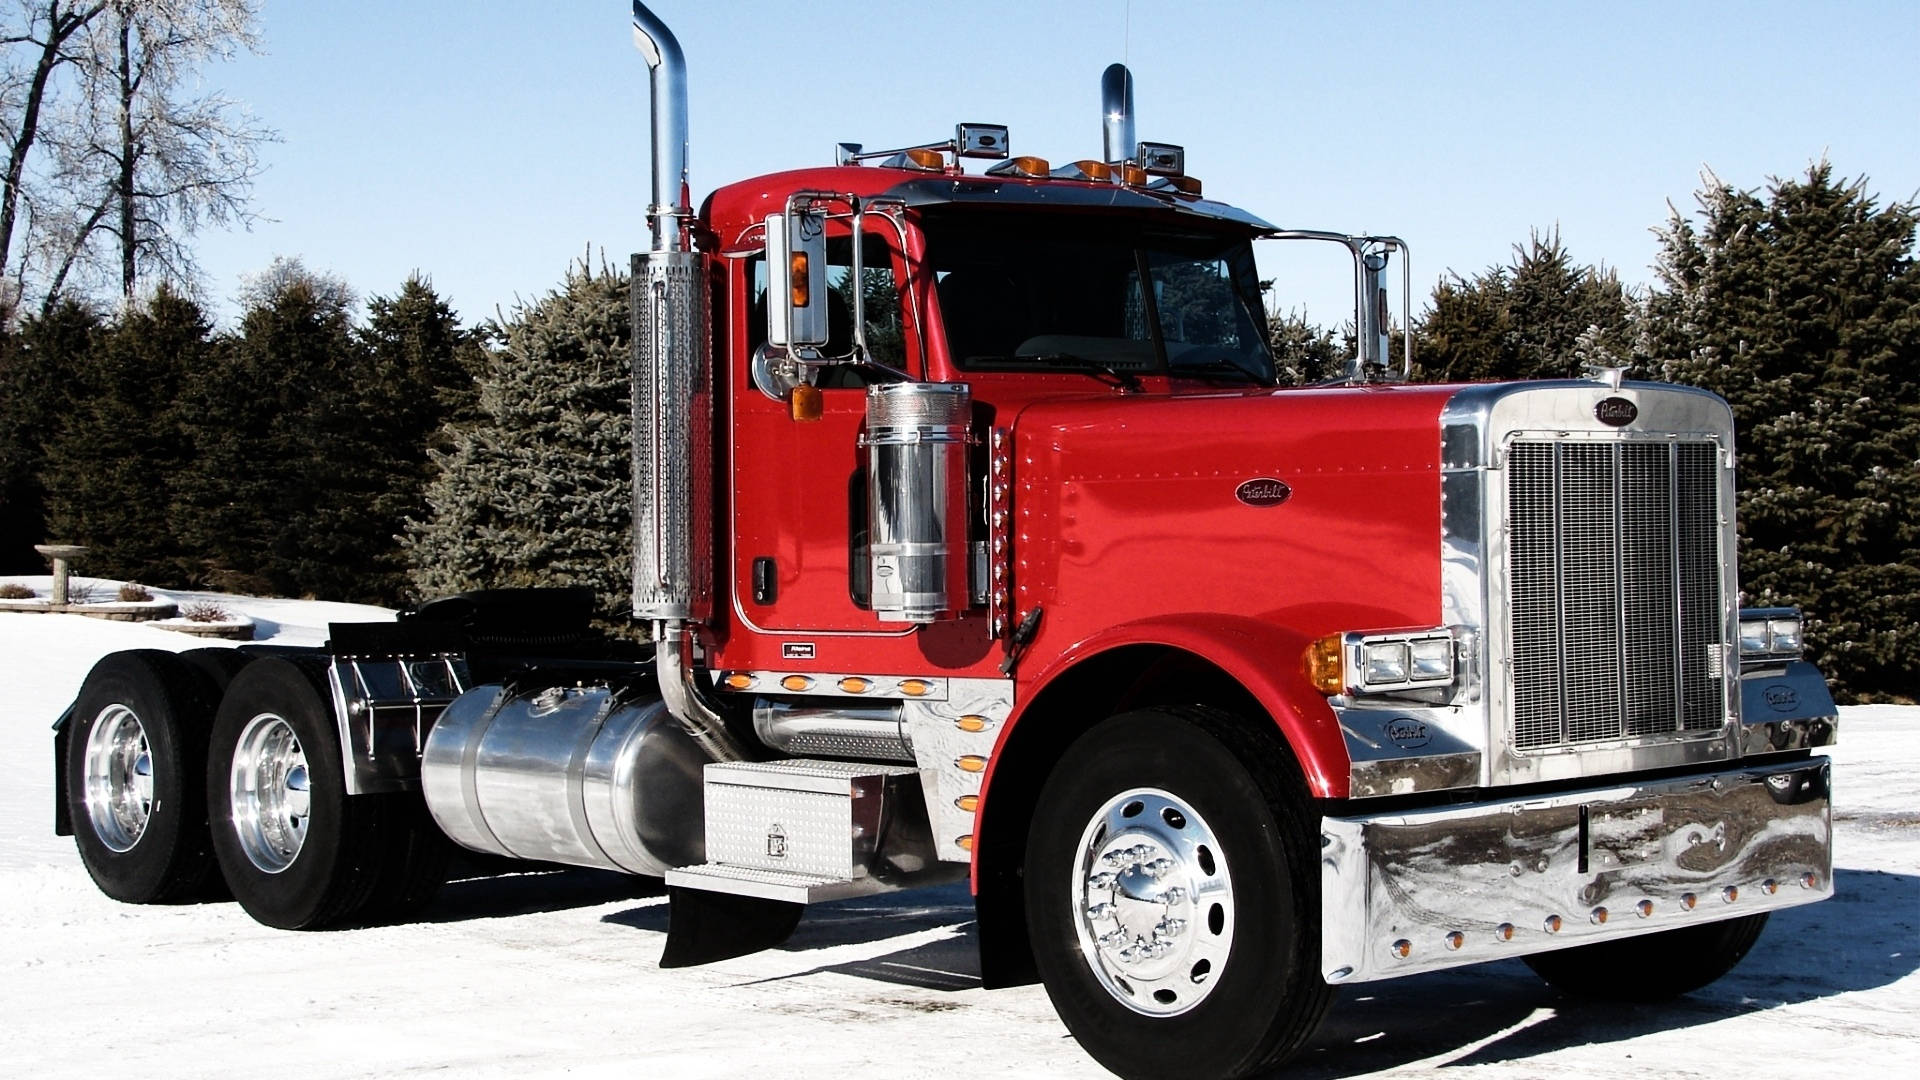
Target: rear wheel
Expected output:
[134,778]
[297,851]
[1651,967]
[1172,897]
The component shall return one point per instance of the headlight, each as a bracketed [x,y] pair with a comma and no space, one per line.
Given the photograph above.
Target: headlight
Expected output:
[1770,634]
[1382,663]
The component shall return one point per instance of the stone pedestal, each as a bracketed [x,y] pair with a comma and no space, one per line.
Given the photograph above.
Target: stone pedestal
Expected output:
[62,556]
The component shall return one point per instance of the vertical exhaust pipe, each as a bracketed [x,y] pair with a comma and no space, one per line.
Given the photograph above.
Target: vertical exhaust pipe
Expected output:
[1117,142]
[673,407]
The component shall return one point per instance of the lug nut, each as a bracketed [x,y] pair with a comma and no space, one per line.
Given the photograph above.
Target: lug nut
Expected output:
[1174,896]
[1171,927]
[1160,867]
[1097,912]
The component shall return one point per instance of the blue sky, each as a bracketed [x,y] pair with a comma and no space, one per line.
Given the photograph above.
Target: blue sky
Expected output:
[486,145]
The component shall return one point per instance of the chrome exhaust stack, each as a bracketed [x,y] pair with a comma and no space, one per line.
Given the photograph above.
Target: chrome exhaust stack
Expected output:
[1117,140]
[673,407]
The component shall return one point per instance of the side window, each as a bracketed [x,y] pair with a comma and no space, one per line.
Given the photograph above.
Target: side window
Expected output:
[886,338]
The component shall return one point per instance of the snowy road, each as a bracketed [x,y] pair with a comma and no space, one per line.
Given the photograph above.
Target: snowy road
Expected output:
[555,974]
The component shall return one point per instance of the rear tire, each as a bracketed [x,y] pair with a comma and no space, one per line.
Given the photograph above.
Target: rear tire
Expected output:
[1651,967]
[1173,897]
[297,851]
[135,778]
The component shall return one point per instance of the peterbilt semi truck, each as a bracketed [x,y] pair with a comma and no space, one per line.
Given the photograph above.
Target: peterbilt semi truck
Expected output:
[977,538]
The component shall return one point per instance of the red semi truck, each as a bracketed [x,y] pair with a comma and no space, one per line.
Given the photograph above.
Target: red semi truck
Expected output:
[976,536]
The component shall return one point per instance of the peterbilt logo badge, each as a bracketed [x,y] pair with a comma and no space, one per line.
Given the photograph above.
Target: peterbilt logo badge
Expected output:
[1616,411]
[1781,698]
[1407,733]
[1263,491]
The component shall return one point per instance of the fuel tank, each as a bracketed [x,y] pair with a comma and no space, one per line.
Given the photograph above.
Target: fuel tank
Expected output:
[588,776]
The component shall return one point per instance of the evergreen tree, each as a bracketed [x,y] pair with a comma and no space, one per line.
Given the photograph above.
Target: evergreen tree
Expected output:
[111,470]
[538,491]
[37,391]
[1302,352]
[267,504]
[1802,308]
[1541,317]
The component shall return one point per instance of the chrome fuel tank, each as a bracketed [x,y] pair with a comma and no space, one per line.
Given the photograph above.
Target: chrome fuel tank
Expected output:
[579,775]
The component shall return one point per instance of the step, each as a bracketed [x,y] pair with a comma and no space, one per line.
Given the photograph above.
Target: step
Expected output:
[772,884]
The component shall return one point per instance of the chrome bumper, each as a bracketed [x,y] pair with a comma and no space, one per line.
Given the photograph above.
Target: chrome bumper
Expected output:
[1429,889]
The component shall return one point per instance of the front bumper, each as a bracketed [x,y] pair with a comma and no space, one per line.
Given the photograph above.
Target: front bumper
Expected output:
[1423,890]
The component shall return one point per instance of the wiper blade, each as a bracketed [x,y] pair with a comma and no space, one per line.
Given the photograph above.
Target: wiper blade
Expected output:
[1125,380]
[1223,367]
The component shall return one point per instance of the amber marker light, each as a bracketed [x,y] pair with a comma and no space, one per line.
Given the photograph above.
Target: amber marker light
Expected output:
[1688,900]
[1185,185]
[1095,170]
[1599,916]
[969,803]
[854,684]
[971,763]
[1809,880]
[1553,924]
[927,159]
[964,843]
[1645,908]
[797,276]
[739,680]
[797,683]
[1730,893]
[1504,931]
[1455,940]
[804,403]
[1402,948]
[971,723]
[1133,175]
[1324,668]
[915,687]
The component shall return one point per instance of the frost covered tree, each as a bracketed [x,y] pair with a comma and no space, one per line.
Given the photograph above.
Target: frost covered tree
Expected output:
[538,489]
[110,470]
[1542,316]
[1801,306]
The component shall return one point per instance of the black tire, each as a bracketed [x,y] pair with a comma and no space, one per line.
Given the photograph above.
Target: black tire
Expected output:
[1244,797]
[155,849]
[1651,967]
[349,859]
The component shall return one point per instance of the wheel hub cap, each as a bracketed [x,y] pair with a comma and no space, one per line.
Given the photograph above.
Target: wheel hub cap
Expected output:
[271,793]
[118,778]
[1153,902]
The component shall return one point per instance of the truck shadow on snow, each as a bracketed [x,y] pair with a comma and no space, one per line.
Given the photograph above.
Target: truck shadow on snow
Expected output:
[1862,939]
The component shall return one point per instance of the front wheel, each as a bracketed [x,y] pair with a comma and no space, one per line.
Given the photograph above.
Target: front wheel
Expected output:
[1172,897]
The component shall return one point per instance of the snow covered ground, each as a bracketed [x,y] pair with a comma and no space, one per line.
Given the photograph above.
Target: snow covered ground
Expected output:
[555,973]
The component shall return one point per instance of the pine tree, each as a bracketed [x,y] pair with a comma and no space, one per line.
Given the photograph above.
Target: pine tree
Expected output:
[111,470]
[37,392]
[1802,309]
[538,491]
[1540,317]
[1302,352]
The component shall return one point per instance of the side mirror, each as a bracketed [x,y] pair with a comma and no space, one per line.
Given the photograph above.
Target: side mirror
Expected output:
[797,279]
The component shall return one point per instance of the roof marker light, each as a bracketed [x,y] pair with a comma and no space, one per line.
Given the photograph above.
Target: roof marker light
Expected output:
[1031,168]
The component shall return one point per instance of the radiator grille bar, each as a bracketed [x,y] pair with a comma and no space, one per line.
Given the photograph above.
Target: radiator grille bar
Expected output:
[1614,578]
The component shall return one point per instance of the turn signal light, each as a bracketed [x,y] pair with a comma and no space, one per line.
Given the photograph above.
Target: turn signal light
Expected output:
[1324,667]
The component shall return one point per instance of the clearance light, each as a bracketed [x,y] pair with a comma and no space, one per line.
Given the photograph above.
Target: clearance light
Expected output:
[1402,948]
[1503,932]
[1033,168]
[1809,880]
[1689,901]
[1185,185]
[915,687]
[1599,916]
[1086,169]
[1133,176]
[854,684]
[1730,894]
[972,763]
[927,159]
[797,683]
[1455,940]
[1553,924]
[739,680]
[971,722]
[1770,887]
[969,803]
[964,843]
[1645,907]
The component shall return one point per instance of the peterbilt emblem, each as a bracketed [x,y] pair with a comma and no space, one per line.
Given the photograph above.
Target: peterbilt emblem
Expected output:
[1263,491]
[1407,733]
[1616,411]
[776,843]
[1781,698]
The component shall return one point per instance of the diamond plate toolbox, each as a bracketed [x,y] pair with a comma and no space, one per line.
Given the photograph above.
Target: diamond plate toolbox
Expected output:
[800,816]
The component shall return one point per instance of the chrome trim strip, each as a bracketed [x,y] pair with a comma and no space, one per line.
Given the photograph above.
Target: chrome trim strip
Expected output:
[944,752]
[1490,880]
[827,684]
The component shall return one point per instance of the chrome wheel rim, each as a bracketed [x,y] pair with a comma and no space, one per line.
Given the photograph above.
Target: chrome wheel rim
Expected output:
[119,778]
[270,793]
[1153,902]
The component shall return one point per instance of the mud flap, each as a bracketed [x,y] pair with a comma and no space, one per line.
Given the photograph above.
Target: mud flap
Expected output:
[704,926]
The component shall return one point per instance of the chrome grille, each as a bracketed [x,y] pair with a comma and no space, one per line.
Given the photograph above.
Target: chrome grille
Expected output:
[1614,573]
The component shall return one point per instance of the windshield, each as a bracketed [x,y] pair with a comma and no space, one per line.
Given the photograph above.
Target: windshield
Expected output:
[1023,291]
